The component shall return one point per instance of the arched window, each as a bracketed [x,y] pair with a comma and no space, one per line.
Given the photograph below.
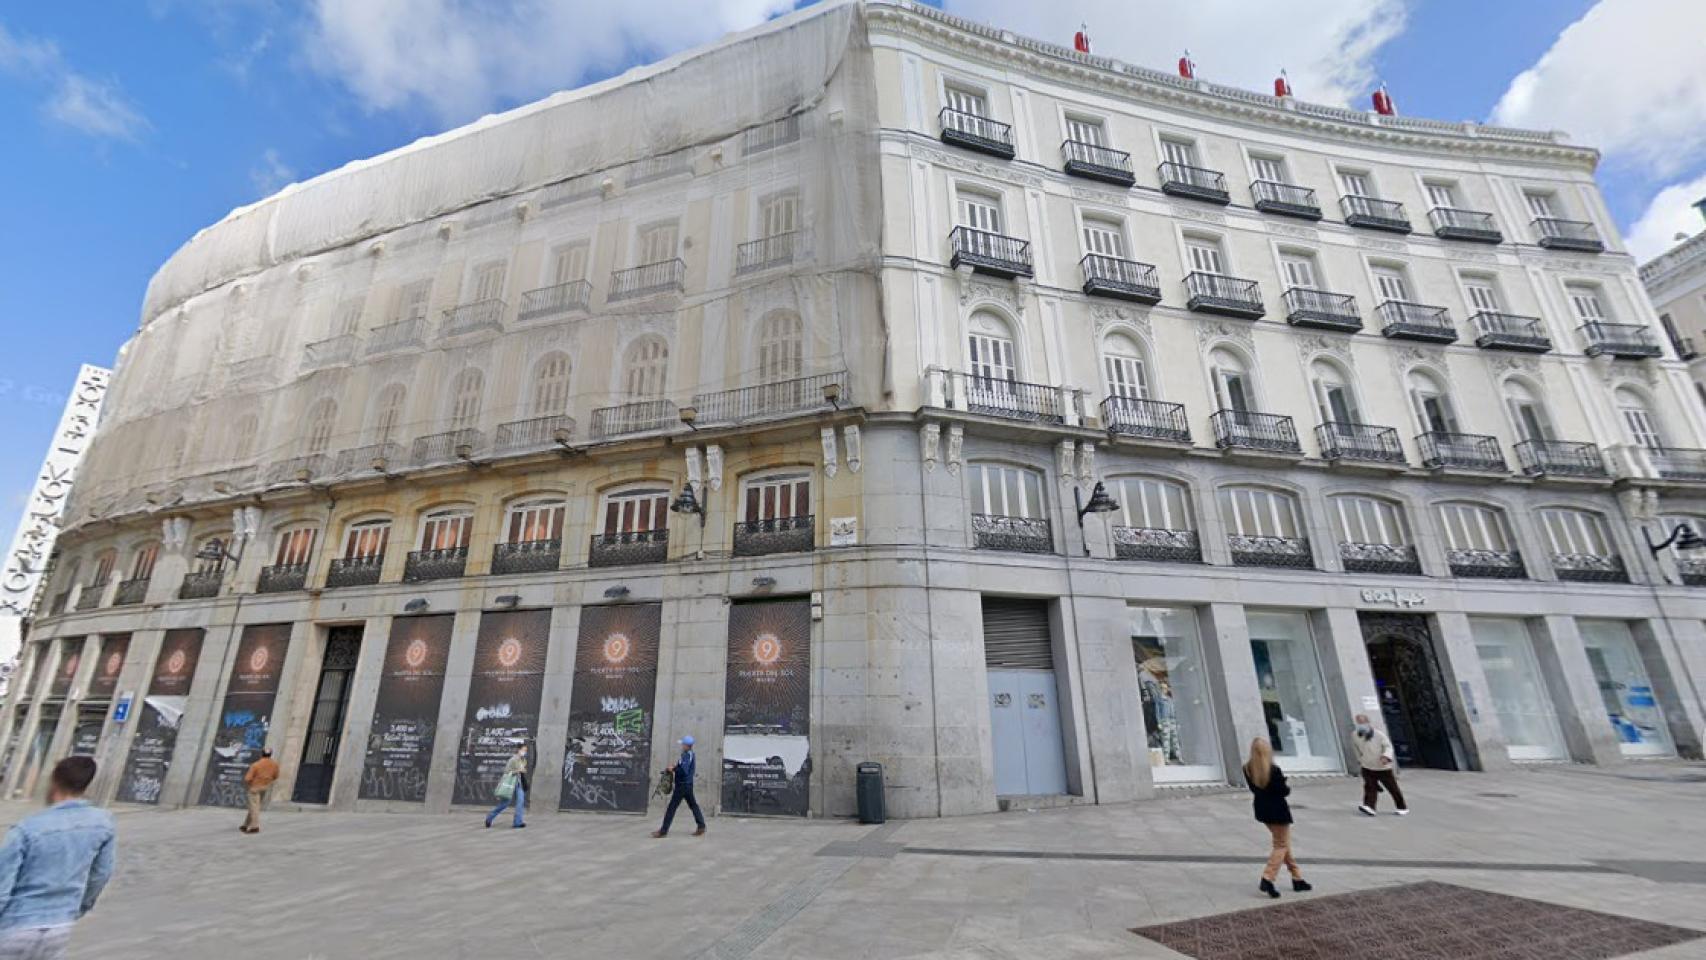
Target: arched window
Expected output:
[294,546]
[635,510]
[142,561]
[448,529]
[366,540]
[388,413]
[990,349]
[1154,520]
[322,419]
[1335,400]
[1123,367]
[1431,403]
[1008,511]
[1527,411]
[645,369]
[550,395]
[466,392]
[1230,376]
[1373,535]
[1264,528]
[781,347]
[534,521]
[1478,541]
[104,563]
[1638,419]
[1580,545]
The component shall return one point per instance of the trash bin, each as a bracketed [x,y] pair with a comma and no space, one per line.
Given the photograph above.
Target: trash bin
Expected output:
[870,792]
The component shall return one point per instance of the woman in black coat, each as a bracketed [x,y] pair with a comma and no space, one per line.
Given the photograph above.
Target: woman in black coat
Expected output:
[1267,782]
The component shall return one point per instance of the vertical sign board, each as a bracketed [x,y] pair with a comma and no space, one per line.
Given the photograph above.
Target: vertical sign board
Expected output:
[70,658]
[503,699]
[157,725]
[247,714]
[767,708]
[405,717]
[607,764]
[104,683]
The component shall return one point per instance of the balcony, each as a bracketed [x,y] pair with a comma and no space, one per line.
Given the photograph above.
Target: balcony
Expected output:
[1372,213]
[90,598]
[1692,572]
[1560,458]
[526,556]
[1400,320]
[1147,419]
[1471,225]
[201,584]
[1589,568]
[1678,463]
[1013,534]
[378,457]
[628,548]
[1287,552]
[1320,310]
[973,132]
[131,592]
[1181,180]
[1555,234]
[448,563]
[252,373]
[1120,279]
[476,317]
[1095,162]
[392,337]
[989,253]
[768,401]
[1461,451]
[641,416]
[1359,442]
[282,578]
[766,252]
[576,295]
[1507,331]
[537,433]
[1486,564]
[758,538]
[665,276]
[1285,199]
[446,446]
[297,469]
[1164,546]
[1247,430]
[1224,296]
[330,352]
[1625,341]
[354,571]
[1014,400]
[1380,558]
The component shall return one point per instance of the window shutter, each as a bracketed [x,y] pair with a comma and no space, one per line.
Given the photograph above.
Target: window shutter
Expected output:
[1016,634]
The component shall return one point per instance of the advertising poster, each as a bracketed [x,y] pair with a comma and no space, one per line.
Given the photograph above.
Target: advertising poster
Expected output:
[503,699]
[767,708]
[104,683]
[157,721]
[86,737]
[607,765]
[405,717]
[70,657]
[247,714]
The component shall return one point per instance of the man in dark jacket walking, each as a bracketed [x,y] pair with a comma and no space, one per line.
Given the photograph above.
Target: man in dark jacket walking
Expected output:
[684,770]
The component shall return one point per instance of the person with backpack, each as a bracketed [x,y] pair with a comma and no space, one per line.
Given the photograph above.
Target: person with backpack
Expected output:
[1267,783]
[512,788]
[684,770]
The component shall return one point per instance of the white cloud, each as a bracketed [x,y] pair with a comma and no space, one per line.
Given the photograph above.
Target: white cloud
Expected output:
[1670,213]
[83,103]
[271,173]
[1629,77]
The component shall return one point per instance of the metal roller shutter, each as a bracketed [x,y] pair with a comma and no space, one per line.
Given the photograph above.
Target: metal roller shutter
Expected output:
[1016,634]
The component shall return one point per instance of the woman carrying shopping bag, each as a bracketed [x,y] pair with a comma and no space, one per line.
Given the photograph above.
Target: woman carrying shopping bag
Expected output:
[512,789]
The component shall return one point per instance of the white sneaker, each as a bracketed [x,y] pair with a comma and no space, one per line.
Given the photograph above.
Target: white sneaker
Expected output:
[1367,810]
[1403,813]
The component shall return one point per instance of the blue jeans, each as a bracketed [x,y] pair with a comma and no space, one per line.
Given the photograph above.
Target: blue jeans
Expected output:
[519,801]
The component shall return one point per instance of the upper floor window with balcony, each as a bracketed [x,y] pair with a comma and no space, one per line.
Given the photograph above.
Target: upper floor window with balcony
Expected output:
[529,521]
[322,420]
[1586,302]
[634,527]
[781,347]
[1298,269]
[1391,282]
[294,546]
[1154,521]
[1086,130]
[645,368]
[1356,183]
[657,242]
[1124,368]
[1335,398]
[779,214]
[1007,509]
[388,413]
[1269,168]
[413,300]
[776,496]
[1104,237]
[1373,535]
[1638,420]
[550,394]
[1202,255]
[1527,412]
[1478,542]
[1234,389]
[467,392]
[1264,527]
[1179,151]
[447,529]
[567,263]
[142,561]
[1542,204]
[367,539]
[1581,545]
[967,101]
[966,122]
[991,350]
[486,281]
[1431,403]
[1442,194]
[978,211]
[1482,293]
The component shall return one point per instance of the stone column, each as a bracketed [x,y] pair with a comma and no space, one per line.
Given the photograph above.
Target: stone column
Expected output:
[453,703]
[1105,674]
[115,742]
[1471,698]
[199,723]
[1672,685]
[1345,670]
[1232,678]
[1575,693]
[553,735]
[60,747]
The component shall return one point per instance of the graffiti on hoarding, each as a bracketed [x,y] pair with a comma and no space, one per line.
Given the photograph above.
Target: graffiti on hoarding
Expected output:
[766,722]
[503,699]
[156,736]
[405,716]
[607,765]
[246,717]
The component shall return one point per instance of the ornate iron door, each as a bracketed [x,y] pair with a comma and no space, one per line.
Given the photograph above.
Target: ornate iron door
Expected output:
[1413,698]
[326,724]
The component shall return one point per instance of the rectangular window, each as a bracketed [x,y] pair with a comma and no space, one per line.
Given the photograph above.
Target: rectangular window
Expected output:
[1585,301]
[1271,169]
[658,243]
[413,299]
[1299,270]
[1355,183]
[1204,256]
[636,511]
[1085,130]
[295,547]
[1442,195]
[447,532]
[1540,205]
[979,212]
[1182,152]
[367,541]
[488,281]
[566,264]
[1126,377]
[1391,284]
[1104,238]
[774,498]
[1152,504]
[1483,296]
[779,214]
[533,522]
[967,101]
[999,491]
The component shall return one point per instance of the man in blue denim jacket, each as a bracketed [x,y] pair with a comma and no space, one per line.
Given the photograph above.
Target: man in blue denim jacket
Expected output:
[52,867]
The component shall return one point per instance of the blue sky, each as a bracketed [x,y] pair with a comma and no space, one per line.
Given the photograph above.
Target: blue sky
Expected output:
[126,132]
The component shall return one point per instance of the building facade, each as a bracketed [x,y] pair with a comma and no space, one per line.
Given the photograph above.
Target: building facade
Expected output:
[1676,282]
[775,424]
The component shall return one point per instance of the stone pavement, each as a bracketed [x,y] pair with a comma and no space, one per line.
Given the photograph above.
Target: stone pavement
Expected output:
[1059,883]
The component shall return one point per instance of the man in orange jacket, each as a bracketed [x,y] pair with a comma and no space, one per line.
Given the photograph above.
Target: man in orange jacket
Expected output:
[259,779]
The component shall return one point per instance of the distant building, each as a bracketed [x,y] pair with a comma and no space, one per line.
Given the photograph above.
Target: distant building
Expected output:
[1676,282]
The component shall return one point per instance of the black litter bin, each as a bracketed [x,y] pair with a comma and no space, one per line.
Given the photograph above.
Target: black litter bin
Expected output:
[870,791]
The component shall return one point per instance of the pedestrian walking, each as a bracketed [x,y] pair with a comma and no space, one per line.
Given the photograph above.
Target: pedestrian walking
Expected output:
[512,788]
[1267,782]
[683,769]
[1379,767]
[53,866]
[258,779]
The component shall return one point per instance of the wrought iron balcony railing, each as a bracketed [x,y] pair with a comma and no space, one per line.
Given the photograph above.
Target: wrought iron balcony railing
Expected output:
[1197,183]
[1121,279]
[1227,296]
[90,598]
[449,445]
[628,548]
[1096,162]
[1555,234]
[1013,399]
[131,592]
[1248,430]
[527,556]
[1289,552]
[1286,199]
[551,301]
[1374,213]
[1589,568]
[766,252]
[1507,331]
[976,133]
[757,538]
[354,571]
[297,469]
[641,416]
[1363,442]
[1015,534]
[770,400]
[473,318]
[1678,463]
[1685,349]
[282,578]
[1150,419]
[401,335]
[1692,572]
[1320,310]
[535,433]
[201,584]
[1486,564]
[1461,451]
[375,457]
[330,352]
[989,253]
[1380,558]
[1560,458]
[665,276]
[447,563]
[1625,341]
[1150,543]
[1472,225]
[1401,320]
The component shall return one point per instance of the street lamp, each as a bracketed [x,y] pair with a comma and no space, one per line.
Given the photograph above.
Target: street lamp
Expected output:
[1682,536]
[688,503]
[1100,502]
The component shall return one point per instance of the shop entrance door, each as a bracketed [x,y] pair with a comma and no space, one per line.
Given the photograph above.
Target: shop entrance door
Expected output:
[1413,699]
[1024,708]
[326,724]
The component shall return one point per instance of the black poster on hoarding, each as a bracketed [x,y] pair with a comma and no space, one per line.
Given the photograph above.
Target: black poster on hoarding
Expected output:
[157,720]
[102,685]
[767,708]
[71,655]
[86,736]
[247,714]
[607,764]
[503,699]
[405,717]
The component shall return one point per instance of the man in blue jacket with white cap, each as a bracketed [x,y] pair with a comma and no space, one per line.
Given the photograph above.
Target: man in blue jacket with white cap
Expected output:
[683,769]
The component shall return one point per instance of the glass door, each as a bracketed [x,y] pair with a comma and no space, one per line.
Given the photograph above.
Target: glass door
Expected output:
[1288,675]
[1172,684]
[1520,700]
[1625,688]
[326,723]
